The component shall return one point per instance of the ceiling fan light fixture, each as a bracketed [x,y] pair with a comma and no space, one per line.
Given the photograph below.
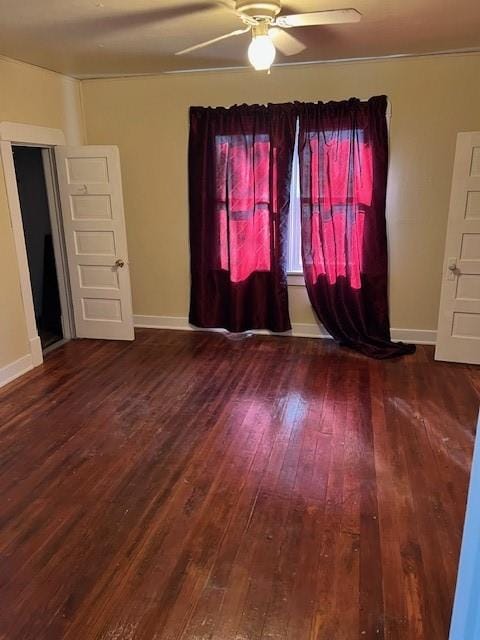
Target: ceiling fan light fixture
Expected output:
[268,28]
[261,53]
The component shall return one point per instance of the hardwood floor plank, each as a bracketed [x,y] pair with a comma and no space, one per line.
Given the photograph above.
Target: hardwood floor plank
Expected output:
[187,487]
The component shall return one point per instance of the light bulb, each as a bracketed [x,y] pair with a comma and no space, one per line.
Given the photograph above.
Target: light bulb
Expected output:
[261,52]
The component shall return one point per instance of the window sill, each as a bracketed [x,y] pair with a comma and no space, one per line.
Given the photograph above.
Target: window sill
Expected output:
[295,279]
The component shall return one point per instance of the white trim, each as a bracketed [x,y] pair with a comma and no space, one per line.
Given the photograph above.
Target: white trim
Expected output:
[15,369]
[58,238]
[31,134]
[244,68]
[415,336]
[306,330]
[21,251]
[162,322]
[393,56]
[24,134]
[295,279]
[36,350]
[299,330]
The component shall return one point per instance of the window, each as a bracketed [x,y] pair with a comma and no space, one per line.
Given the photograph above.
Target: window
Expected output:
[243,198]
[334,209]
[243,221]
[294,254]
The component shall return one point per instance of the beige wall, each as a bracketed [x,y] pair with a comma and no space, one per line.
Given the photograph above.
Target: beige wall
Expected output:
[33,96]
[432,99]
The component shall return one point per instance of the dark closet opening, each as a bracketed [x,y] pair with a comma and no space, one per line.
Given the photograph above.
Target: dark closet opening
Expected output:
[37,228]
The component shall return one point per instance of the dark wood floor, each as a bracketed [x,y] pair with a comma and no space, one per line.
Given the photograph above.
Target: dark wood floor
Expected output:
[186,487]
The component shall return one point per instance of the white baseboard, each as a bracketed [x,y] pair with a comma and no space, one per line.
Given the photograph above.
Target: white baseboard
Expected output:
[162,322]
[9,372]
[299,330]
[414,336]
[36,351]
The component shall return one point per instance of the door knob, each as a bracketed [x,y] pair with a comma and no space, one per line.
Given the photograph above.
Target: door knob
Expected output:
[119,263]
[452,268]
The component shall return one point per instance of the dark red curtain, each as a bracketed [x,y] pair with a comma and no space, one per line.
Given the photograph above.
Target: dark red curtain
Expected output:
[239,180]
[343,149]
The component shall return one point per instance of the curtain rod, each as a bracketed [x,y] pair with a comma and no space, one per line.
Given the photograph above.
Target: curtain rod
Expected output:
[388,112]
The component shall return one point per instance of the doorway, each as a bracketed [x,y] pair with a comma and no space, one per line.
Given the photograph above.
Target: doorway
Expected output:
[84,190]
[41,232]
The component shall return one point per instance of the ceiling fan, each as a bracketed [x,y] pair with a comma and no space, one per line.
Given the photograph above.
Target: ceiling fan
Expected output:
[267,27]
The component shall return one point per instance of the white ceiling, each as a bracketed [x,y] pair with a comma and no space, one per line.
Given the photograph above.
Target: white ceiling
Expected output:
[92,38]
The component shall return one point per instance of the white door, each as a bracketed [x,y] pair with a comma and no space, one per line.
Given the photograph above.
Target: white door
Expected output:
[91,196]
[458,336]
[466,608]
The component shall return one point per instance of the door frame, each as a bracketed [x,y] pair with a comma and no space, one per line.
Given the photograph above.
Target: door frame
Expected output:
[58,239]
[18,134]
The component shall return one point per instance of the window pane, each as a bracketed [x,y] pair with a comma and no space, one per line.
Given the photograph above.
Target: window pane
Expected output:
[338,178]
[243,203]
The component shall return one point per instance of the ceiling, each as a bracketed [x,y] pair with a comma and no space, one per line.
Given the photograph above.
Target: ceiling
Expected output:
[95,38]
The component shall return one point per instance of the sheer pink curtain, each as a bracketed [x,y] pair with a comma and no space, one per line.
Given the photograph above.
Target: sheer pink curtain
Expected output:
[243,204]
[240,163]
[343,149]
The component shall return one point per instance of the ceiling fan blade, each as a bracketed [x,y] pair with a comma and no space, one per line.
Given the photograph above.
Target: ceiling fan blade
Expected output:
[285,42]
[237,32]
[335,16]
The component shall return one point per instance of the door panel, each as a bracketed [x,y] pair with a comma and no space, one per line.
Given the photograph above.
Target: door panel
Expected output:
[458,338]
[93,218]
[85,207]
